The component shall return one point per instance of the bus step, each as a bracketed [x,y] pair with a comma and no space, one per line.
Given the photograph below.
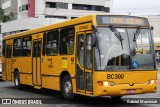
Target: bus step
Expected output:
[37,87]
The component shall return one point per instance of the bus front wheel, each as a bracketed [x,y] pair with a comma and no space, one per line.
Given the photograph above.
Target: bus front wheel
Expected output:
[17,80]
[67,89]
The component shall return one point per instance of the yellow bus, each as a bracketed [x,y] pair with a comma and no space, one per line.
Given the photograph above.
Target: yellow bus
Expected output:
[0,63]
[95,55]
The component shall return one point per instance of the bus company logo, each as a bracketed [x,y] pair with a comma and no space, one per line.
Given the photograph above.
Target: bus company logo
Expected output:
[72,59]
[6,101]
[83,27]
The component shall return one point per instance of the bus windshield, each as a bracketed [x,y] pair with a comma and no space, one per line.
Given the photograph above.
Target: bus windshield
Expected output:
[123,49]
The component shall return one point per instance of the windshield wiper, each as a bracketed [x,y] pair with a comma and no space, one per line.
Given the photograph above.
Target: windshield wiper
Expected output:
[136,35]
[117,34]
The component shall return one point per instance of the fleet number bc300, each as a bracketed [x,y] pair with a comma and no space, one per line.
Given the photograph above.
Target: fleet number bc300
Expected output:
[115,76]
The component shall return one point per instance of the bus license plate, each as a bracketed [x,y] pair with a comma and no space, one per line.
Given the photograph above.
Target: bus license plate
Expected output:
[130,91]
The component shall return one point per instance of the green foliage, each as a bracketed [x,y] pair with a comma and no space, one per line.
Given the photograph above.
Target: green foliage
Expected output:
[5,17]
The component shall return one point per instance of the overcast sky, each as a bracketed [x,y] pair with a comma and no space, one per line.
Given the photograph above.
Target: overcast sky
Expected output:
[136,6]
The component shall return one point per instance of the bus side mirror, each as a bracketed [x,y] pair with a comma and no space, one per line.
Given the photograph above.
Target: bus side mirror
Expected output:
[93,40]
[152,27]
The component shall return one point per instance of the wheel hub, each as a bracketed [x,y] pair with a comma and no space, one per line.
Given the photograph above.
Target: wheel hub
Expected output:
[68,88]
[16,81]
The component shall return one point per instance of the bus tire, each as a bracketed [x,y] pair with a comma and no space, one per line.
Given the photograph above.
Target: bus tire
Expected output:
[67,88]
[17,80]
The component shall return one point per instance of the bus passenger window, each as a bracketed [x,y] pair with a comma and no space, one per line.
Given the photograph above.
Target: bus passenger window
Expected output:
[52,43]
[17,47]
[26,46]
[67,41]
[44,44]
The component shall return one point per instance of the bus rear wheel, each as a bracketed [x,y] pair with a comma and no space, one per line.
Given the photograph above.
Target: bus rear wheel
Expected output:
[17,80]
[67,89]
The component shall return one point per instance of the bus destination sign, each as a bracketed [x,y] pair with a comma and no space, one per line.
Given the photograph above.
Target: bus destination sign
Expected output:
[122,20]
[126,21]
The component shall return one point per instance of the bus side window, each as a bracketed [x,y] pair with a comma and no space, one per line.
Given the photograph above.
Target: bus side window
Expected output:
[52,43]
[17,47]
[26,46]
[67,41]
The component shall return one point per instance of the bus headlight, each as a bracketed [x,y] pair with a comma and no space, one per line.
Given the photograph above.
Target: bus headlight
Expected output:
[152,81]
[105,83]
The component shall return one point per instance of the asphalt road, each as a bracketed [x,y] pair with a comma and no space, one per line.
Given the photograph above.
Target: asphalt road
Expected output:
[7,90]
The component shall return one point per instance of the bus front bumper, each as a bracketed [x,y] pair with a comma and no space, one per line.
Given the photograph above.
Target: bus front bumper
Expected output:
[124,89]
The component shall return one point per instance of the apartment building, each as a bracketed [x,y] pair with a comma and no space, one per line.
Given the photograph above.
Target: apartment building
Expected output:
[31,14]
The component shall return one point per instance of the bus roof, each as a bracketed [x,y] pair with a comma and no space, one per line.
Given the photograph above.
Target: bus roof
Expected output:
[62,24]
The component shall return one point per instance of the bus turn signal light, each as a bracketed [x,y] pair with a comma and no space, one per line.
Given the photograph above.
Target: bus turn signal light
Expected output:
[100,83]
[103,83]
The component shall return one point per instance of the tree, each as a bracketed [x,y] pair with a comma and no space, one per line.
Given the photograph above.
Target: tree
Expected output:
[5,17]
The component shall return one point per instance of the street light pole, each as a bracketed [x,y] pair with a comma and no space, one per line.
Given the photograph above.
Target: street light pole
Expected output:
[52,13]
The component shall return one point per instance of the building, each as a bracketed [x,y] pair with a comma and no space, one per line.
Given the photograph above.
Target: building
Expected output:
[154,21]
[30,14]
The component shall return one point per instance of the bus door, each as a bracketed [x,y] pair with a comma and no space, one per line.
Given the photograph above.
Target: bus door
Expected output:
[84,63]
[36,58]
[8,62]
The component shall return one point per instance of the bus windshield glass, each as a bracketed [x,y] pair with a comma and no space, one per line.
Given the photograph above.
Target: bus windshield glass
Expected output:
[123,49]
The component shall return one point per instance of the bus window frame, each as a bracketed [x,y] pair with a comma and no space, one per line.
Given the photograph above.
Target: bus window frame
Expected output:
[44,44]
[4,48]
